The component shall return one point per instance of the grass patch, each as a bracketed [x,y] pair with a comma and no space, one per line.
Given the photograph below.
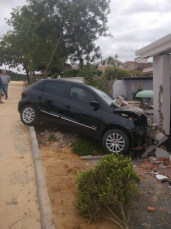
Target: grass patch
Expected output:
[52,138]
[85,146]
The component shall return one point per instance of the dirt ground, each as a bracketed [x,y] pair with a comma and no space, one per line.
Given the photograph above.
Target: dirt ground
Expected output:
[61,167]
[153,194]
[18,198]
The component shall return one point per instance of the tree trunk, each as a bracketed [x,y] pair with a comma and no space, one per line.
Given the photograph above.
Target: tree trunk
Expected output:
[51,58]
[116,222]
[34,77]
[28,78]
[81,63]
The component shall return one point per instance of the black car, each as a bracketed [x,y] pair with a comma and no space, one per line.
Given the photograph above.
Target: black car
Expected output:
[83,109]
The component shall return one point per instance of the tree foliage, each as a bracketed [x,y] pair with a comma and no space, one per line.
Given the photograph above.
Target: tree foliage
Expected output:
[49,32]
[94,77]
[117,73]
[109,189]
[71,73]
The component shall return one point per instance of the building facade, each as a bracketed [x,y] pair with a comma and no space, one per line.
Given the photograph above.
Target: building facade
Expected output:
[128,86]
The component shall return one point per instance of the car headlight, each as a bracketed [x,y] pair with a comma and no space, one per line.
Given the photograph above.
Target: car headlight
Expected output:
[130,118]
[139,114]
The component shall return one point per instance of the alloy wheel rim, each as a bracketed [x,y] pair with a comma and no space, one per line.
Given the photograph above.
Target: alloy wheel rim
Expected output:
[115,143]
[28,115]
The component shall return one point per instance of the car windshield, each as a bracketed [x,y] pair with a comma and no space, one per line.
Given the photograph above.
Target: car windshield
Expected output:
[107,98]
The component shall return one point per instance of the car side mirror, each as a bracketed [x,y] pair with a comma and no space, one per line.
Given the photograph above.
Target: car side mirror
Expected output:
[94,104]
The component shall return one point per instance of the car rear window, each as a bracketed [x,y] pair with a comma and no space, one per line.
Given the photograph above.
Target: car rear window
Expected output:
[55,88]
[40,87]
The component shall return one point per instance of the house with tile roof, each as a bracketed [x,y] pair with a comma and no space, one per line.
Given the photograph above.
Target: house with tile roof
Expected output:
[112,62]
[141,65]
[138,64]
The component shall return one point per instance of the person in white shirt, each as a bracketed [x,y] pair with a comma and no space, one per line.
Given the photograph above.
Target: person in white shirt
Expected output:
[5,79]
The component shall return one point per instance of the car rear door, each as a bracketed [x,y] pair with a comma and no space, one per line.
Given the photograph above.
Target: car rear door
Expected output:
[51,101]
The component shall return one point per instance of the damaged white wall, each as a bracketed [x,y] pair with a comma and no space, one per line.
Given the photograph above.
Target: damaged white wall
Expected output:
[160,50]
[161,75]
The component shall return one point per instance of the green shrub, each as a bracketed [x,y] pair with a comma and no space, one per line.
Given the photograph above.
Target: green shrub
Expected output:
[102,84]
[86,73]
[136,73]
[52,137]
[111,73]
[97,72]
[134,95]
[55,76]
[117,73]
[71,73]
[93,77]
[109,191]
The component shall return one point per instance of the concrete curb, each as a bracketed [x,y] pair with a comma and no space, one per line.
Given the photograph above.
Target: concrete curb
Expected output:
[89,157]
[43,197]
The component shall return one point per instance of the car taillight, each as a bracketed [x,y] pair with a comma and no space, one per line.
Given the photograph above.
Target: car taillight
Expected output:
[23,94]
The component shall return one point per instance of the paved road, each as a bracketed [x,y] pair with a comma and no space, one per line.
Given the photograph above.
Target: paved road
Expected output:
[18,197]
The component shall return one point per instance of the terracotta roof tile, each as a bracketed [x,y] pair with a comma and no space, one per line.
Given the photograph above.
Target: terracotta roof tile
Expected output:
[139,65]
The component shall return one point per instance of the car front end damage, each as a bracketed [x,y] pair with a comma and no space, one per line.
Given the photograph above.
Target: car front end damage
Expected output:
[143,134]
[144,137]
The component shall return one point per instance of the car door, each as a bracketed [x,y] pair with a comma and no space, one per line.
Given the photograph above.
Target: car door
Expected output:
[78,111]
[52,100]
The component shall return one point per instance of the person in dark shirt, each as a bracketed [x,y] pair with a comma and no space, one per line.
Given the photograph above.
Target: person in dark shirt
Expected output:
[2,89]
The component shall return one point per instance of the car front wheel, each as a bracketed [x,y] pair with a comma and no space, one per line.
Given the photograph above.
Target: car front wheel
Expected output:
[29,115]
[116,141]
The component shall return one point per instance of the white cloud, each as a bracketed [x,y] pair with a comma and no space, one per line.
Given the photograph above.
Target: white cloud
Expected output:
[144,6]
[6,7]
[133,23]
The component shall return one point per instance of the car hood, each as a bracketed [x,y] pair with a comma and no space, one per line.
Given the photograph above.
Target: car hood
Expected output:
[135,110]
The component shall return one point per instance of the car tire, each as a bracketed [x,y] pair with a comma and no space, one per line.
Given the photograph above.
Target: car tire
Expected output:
[116,141]
[29,115]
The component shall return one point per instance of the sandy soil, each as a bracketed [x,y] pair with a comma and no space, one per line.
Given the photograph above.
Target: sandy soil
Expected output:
[61,167]
[18,198]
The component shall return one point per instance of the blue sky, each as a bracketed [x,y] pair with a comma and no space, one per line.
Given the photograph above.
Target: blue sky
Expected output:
[133,23]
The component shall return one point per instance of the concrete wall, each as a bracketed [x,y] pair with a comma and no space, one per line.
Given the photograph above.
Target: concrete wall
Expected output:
[127,87]
[119,88]
[132,86]
[124,87]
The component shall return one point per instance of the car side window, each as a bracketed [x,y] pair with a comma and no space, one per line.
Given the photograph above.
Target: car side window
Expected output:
[55,88]
[82,95]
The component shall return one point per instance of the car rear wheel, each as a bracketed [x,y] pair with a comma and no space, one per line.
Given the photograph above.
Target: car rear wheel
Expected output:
[29,115]
[116,141]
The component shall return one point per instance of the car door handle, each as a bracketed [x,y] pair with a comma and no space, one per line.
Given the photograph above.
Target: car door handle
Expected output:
[67,107]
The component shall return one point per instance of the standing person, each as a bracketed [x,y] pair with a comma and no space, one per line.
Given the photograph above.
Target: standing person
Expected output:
[2,89]
[5,79]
